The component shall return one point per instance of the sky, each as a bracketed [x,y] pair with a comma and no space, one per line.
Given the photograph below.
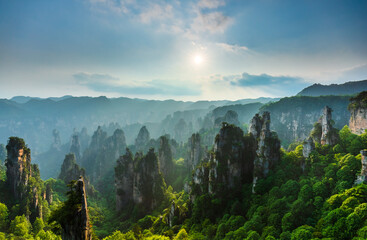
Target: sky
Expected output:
[183,50]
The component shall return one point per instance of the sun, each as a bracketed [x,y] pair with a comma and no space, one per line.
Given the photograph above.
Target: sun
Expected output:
[198,59]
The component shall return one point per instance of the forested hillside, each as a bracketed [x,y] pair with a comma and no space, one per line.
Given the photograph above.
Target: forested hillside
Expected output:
[246,187]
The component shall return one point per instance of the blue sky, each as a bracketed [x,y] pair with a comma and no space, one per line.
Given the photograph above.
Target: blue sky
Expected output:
[185,50]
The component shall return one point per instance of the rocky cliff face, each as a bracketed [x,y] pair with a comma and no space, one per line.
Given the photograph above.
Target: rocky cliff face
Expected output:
[75,147]
[165,159]
[70,171]
[124,180]
[142,139]
[23,179]
[230,165]
[293,118]
[75,222]
[238,159]
[363,176]
[139,181]
[230,117]
[56,144]
[100,158]
[358,113]
[18,165]
[323,131]
[267,147]
[196,152]
[308,147]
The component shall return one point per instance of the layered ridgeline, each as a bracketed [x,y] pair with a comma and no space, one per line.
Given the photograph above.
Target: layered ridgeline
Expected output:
[348,88]
[34,119]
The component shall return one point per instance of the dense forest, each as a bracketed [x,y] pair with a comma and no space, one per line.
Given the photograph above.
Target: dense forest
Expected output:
[234,179]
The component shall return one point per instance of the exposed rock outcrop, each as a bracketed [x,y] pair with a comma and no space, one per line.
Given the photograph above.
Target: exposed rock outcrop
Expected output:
[230,165]
[23,179]
[56,144]
[323,131]
[293,118]
[196,151]
[139,181]
[49,193]
[358,113]
[18,165]
[142,139]
[237,159]
[100,158]
[75,219]
[363,176]
[75,147]
[124,180]
[308,147]
[70,171]
[231,117]
[165,159]
[267,147]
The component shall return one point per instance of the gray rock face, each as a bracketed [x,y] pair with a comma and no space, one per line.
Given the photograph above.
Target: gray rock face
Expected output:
[75,147]
[166,165]
[358,120]
[308,147]
[230,117]
[139,182]
[142,139]
[238,159]
[229,166]
[102,154]
[364,163]
[268,146]
[329,135]
[363,176]
[19,172]
[78,226]
[293,118]
[49,194]
[56,143]
[18,165]
[196,151]
[124,180]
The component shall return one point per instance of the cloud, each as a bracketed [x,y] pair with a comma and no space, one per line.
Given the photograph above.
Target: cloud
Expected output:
[109,84]
[246,80]
[258,85]
[211,4]
[173,17]
[213,22]
[354,73]
[232,48]
[156,12]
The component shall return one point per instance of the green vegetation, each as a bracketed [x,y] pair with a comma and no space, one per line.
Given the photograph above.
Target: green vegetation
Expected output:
[301,198]
[359,101]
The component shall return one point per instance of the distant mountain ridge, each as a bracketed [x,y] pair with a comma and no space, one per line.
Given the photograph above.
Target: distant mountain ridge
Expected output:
[35,118]
[348,88]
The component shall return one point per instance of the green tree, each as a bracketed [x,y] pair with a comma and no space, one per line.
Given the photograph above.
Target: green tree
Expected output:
[20,226]
[181,235]
[302,233]
[38,225]
[3,216]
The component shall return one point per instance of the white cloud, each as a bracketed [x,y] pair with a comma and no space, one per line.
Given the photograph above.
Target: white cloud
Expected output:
[214,22]
[232,48]
[191,20]
[211,4]
[156,12]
